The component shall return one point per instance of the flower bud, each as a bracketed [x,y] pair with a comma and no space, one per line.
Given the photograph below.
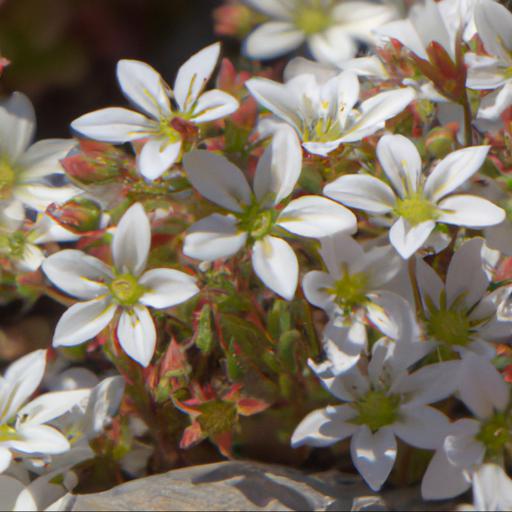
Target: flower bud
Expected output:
[78,215]
[440,141]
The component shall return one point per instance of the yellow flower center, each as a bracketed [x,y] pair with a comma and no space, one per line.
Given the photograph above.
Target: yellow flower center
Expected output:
[376,410]
[126,290]
[8,433]
[256,221]
[312,18]
[495,434]
[416,209]
[450,326]
[350,290]
[7,179]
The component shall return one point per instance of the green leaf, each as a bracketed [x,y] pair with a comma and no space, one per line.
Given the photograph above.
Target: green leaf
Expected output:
[204,338]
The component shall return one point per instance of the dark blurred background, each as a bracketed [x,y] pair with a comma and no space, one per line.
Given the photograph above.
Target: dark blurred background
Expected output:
[64,52]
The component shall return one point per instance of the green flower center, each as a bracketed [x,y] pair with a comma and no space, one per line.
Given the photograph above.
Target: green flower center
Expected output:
[450,327]
[126,290]
[7,179]
[167,131]
[416,209]
[376,410]
[495,434]
[8,433]
[258,223]
[350,290]
[312,19]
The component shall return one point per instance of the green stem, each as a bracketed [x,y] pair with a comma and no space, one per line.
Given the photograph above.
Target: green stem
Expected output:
[468,123]
[414,286]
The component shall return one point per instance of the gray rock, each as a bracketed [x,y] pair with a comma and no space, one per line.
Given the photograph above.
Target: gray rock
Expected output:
[238,485]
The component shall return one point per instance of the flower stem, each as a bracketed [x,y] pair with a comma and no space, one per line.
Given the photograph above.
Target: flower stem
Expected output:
[414,285]
[468,123]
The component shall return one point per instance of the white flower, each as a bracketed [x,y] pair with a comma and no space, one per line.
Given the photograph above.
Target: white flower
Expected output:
[254,219]
[324,114]
[330,27]
[417,203]
[123,288]
[382,405]
[470,441]
[25,168]
[460,315]
[146,89]
[23,426]
[493,71]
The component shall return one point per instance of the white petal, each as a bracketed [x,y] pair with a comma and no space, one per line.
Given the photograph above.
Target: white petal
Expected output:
[276,265]
[193,76]
[83,321]
[115,125]
[31,259]
[443,480]
[401,162]
[377,110]
[482,387]
[272,39]
[143,86]
[42,158]
[494,104]
[467,261]
[214,105]
[137,334]
[17,126]
[472,211]
[156,157]
[216,236]
[462,448]
[316,216]
[324,427]
[279,167]
[429,282]
[404,31]
[407,239]
[40,439]
[77,273]
[22,378]
[373,454]
[454,170]
[493,22]
[274,8]
[362,192]
[39,197]
[430,383]
[340,249]
[277,98]
[131,241]
[49,406]
[217,179]
[332,46]
[492,488]
[316,285]
[423,427]
[166,287]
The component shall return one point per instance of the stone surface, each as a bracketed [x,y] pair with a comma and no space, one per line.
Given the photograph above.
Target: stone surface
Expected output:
[238,485]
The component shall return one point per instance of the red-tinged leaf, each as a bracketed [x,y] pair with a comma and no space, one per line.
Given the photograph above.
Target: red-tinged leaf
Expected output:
[77,215]
[504,271]
[174,359]
[233,394]
[251,406]
[507,374]
[227,76]
[189,407]
[224,442]
[192,436]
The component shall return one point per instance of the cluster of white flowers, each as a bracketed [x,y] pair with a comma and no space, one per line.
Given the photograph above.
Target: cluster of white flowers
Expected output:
[401,333]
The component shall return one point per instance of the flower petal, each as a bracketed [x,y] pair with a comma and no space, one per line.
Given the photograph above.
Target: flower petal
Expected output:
[217,179]
[40,439]
[278,168]
[156,157]
[373,454]
[332,46]
[143,86]
[454,170]
[493,22]
[77,273]
[401,162]
[272,39]
[362,192]
[131,241]
[471,211]
[17,126]
[193,76]
[10,488]
[137,334]
[316,285]
[83,321]
[429,282]
[316,216]
[407,239]
[422,427]
[115,125]
[216,236]
[39,197]
[166,287]
[213,105]
[324,427]
[276,265]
